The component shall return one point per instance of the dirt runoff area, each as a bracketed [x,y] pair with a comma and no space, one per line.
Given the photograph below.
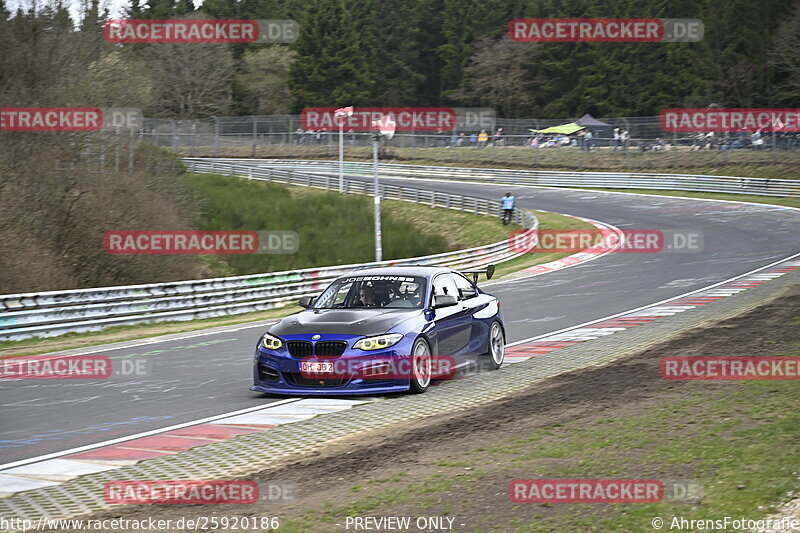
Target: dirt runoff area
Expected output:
[734,442]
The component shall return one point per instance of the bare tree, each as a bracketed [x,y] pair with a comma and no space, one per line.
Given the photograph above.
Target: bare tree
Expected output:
[265,79]
[501,74]
[60,191]
[190,80]
[785,52]
[118,79]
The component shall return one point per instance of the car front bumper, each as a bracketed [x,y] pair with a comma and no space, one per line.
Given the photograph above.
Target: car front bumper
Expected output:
[356,372]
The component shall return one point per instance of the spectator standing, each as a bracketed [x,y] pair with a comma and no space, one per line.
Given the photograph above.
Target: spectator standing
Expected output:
[498,137]
[624,137]
[508,208]
[483,138]
[615,142]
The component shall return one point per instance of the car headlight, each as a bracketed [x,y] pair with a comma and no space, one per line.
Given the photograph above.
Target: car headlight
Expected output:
[378,342]
[271,342]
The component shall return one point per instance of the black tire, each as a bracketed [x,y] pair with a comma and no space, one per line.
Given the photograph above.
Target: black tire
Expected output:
[420,368]
[493,359]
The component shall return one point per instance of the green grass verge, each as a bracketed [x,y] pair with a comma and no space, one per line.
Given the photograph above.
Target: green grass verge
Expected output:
[739,443]
[333,229]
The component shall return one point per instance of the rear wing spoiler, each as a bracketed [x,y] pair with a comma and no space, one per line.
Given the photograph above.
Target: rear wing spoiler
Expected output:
[489,271]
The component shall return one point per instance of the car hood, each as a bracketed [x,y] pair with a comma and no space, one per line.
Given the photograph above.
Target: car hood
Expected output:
[343,321]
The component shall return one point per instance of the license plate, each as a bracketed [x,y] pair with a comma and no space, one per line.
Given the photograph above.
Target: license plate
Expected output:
[316,368]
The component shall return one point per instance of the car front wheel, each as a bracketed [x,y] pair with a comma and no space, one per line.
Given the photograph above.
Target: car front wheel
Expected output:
[420,377]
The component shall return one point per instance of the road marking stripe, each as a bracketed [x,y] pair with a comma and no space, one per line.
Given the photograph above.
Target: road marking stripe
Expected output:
[641,316]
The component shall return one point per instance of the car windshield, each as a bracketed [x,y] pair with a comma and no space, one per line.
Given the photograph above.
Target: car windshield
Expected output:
[391,292]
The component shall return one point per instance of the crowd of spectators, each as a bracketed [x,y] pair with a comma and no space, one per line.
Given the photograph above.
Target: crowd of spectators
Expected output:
[586,140]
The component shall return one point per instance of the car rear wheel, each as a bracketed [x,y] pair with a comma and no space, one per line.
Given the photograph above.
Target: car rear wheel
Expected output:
[497,347]
[420,377]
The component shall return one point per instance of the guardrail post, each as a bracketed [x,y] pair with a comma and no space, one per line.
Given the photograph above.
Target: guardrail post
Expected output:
[216,136]
[476,206]
[290,178]
[416,196]
[255,135]
[448,201]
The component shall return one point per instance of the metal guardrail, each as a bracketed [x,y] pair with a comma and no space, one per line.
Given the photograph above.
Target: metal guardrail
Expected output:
[54,313]
[606,180]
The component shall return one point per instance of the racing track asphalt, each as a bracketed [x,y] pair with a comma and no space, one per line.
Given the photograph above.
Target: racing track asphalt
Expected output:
[200,374]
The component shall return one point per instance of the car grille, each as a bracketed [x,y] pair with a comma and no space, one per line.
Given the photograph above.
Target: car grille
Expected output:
[300,349]
[267,373]
[301,381]
[330,348]
[303,349]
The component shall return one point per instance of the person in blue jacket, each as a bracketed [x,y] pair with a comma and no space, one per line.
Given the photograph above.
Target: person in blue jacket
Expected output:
[508,207]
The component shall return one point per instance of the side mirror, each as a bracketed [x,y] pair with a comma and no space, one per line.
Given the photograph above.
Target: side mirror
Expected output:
[305,301]
[444,300]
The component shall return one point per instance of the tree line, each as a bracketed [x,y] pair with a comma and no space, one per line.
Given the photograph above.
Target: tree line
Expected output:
[436,53]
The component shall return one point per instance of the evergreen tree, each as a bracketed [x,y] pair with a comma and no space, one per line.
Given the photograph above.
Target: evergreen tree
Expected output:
[331,68]
[393,57]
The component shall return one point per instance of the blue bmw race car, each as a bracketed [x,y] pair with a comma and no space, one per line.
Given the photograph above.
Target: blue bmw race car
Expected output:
[383,329]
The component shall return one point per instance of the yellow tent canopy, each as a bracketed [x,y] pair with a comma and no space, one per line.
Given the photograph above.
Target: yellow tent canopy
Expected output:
[565,129]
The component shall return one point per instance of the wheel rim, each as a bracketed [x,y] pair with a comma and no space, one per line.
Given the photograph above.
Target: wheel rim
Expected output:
[498,344]
[421,363]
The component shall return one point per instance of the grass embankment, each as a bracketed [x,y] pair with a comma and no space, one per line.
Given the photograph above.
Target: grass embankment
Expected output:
[332,229]
[760,164]
[735,441]
[739,445]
